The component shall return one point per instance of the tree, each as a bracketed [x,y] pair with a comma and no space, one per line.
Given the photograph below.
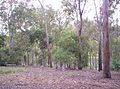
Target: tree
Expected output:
[80,31]
[106,50]
[75,9]
[48,21]
[65,49]
[99,24]
[14,18]
[6,18]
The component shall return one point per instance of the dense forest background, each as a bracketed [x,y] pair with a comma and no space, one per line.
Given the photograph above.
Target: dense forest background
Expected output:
[63,39]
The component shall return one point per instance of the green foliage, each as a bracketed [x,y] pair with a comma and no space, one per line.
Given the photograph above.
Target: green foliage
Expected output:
[116,53]
[27,27]
[12,58]
[10,70]
[2,40]
[16,56]
[68,41]
[63,56]
[38,36]
[4,56]
[6,71]
[67,49]
[116,64]
[115,35]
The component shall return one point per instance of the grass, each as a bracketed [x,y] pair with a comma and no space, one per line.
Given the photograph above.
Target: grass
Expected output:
[7,70]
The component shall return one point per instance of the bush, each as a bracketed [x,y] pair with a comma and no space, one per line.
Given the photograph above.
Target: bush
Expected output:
[12,58]
[2,63]
[116,64]
[4,56]
[63,56]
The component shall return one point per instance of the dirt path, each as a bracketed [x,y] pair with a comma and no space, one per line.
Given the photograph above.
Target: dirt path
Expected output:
[46,78]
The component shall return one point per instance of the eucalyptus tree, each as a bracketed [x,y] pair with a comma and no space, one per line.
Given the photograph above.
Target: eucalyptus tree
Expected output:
[6,10]
[48,18]
[106,50]
[75,9]
[13,20]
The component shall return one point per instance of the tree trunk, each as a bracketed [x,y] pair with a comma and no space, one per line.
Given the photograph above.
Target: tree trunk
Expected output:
[95,62]
[100,56]
[11,35]
[28,58]
[11,43]
[106,50]
[41,59]
[11,31]
[47,37]
[61,64]
[25,62]
[49,57]
[79,37]
[48,46]
[100,41]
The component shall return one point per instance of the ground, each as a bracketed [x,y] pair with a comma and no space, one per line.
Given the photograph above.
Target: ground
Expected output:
[46,78]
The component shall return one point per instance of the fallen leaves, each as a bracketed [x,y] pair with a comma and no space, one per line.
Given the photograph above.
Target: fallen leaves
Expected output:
[46,78]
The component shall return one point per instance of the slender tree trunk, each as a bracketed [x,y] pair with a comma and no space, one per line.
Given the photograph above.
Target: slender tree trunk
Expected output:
[48,46]
[11,43]
[11,34]
[100,41]
[106,50]
[28,58]
[25,59]
[90,62]
[96,62]
[49,58]
[61,64]
[79,46]
[47,37]
[41,59]
[79,36]
[56,65]
[100,56]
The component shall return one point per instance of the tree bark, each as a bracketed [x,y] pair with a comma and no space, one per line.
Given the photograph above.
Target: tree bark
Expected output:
[11,34]
[79,36]
[11,30]
[28,58]
[106,50]
[41,59]
[48,46]
[47,36]
[90,62]
[100,56]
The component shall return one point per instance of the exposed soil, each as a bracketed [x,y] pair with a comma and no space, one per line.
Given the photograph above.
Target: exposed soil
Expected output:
[46,78]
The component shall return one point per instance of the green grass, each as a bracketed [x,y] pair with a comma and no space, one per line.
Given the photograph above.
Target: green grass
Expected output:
[11,70]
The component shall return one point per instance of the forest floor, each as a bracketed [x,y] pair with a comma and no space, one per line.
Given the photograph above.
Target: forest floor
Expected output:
[46,78]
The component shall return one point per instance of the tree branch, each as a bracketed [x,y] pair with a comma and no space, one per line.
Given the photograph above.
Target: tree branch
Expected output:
[83,6]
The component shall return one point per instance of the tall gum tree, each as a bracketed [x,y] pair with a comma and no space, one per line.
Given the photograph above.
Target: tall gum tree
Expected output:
[105,31]
[47,21]
[79,30]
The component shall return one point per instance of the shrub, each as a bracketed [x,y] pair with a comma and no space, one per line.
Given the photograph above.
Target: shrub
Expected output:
[116,64]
